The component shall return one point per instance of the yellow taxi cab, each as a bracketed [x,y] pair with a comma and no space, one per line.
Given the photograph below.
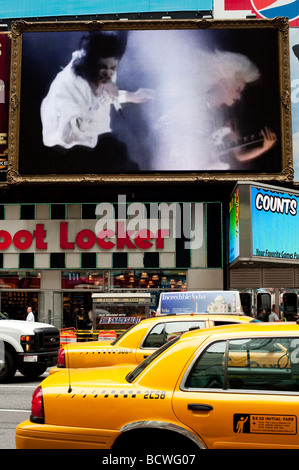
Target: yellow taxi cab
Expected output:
[139,341]
[186,396]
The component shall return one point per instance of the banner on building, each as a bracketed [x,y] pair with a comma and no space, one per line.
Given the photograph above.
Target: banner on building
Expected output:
[266,9]
[266,226]
[168,234]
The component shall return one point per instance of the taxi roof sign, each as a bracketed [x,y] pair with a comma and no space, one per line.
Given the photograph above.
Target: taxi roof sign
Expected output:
[200,302]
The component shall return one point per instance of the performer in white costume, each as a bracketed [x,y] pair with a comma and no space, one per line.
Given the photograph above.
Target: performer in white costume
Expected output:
[76,110]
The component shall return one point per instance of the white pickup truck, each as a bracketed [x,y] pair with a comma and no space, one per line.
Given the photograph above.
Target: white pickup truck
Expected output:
[30,347]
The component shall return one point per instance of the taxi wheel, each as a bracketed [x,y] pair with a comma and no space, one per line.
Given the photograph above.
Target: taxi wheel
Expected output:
[154,441]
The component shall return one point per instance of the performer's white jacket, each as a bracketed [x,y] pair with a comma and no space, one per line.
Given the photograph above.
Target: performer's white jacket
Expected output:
[71,114]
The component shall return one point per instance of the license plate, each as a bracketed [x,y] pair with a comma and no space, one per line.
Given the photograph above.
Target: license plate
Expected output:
[30,358]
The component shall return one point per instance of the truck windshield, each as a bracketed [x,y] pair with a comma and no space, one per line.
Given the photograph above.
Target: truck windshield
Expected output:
[140,368]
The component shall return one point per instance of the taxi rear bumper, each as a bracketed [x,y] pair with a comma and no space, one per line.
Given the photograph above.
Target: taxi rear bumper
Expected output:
[44,436]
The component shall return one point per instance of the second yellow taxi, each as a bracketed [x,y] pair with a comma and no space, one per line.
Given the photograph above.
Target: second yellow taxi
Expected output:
[140,340]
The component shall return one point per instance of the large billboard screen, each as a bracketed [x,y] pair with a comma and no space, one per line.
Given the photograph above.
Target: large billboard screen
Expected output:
[147,100]
[266,227]
[275,224]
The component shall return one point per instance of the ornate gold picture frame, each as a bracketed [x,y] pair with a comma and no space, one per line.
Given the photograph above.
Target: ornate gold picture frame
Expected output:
[163,101]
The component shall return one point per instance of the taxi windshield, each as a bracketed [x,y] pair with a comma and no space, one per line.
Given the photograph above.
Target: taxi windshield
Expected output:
[134,374]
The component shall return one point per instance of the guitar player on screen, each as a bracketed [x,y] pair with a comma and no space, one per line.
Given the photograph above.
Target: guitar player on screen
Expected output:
[232,73]
[205,116]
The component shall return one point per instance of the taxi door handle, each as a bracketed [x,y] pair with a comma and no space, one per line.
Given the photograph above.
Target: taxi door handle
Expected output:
[199,407]
[145,356]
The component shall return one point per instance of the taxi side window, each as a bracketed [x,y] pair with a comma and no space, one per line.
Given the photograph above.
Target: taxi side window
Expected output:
[220,323]
[154,339]
[173,329]
[264,364]
[164,332]
[259,364]
[208,370]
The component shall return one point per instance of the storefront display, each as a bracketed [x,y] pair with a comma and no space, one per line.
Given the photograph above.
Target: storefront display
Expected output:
[54,259]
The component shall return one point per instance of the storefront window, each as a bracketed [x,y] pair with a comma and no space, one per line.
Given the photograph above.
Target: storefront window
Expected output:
[19,290]
[84,280]
[174,280]
[19,280]
[148,279]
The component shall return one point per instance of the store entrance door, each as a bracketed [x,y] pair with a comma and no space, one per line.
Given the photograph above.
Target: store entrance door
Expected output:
[73,300]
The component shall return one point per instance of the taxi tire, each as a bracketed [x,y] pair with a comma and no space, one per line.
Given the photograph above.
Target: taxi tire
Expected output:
[154,441]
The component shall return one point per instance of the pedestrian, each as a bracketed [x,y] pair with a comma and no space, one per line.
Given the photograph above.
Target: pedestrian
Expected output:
[30,316]
[274,314]
[80,319]
[263,315]
[75,317]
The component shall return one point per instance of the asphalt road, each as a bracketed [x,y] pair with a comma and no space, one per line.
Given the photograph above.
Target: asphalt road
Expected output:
[15,405]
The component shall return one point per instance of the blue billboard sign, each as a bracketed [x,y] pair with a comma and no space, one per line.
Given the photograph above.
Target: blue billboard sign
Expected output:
[275,224]
[43,8]
[195,302]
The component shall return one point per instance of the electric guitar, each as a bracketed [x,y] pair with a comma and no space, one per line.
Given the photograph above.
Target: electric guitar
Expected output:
[223,145]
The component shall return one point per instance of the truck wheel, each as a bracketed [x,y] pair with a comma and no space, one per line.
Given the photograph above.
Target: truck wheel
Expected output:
[32,372]
[8,369]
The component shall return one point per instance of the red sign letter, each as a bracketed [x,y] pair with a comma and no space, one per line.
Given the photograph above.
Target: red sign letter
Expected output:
[6,237]
[161,234]
[63,237]
[142,239]
[39,233]
[85,244]
[101,239]
[123,238]
[22,239]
